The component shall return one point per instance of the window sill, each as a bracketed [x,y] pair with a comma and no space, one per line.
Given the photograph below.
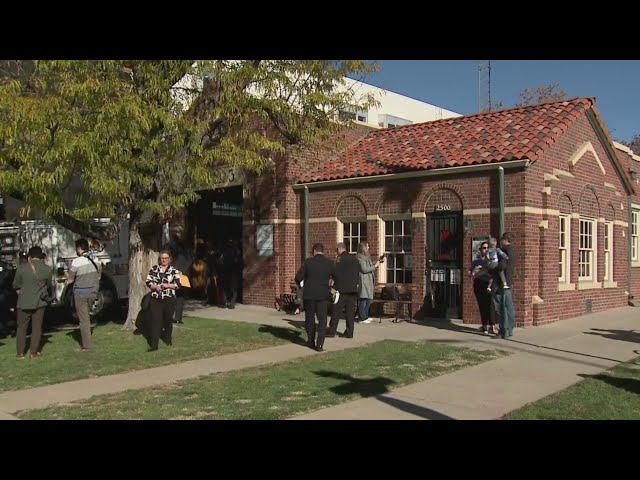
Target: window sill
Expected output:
[608,284]
[586,285]
[565,287]
[635,264]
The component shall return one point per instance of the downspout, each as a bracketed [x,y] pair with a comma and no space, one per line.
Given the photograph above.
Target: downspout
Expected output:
[501,200]
[306,223]
[630,220]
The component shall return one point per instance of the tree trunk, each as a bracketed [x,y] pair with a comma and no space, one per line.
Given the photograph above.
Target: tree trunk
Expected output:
[142,256]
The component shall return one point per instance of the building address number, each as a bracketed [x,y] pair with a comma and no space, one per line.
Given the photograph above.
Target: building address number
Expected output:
[443,208]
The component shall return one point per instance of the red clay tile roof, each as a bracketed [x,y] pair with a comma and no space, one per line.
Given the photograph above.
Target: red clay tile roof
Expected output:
[512,134]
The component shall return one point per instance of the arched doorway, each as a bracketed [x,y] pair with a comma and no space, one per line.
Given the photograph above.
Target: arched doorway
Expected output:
[443,254]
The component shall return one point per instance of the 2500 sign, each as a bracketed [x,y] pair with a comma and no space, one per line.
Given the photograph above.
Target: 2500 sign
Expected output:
[443,208]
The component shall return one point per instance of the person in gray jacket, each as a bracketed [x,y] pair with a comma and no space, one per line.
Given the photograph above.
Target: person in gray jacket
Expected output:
[367,268]
[31,282]
[84,273]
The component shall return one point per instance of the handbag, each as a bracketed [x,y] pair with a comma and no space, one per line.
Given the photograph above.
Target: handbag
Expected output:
[184,281]
[44,294]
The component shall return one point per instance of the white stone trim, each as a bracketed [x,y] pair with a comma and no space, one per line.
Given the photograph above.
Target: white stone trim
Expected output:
[587,285]
[322,220]
[565,287]
[626,149]
[608,284]
[586,147]
[550,178]
[562,173]
[526,209]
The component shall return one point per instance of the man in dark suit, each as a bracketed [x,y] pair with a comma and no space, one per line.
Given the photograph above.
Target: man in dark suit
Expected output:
[347,276]
[316,272]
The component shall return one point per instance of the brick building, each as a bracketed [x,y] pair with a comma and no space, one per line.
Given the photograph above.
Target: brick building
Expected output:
[423,193]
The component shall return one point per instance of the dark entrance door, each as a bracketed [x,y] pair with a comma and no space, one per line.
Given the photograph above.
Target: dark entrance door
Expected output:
[444,265]
[213,221]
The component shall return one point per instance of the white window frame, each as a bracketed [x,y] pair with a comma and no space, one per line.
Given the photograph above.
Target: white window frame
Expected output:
[635,246]
[564,247]
[382,271]
[587,249]
[351,221]
[608,251]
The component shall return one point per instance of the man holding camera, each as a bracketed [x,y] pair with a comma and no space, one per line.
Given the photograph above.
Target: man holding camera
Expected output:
[84,273]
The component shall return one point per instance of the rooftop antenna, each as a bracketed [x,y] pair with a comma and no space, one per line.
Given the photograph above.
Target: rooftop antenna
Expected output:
[484,86]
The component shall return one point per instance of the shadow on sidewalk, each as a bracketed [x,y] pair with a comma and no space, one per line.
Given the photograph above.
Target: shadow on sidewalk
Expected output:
[295,323]
[448,325]
[624,335]
[414,409]
[368,387]
[631,385]
[283,333]
[376,387]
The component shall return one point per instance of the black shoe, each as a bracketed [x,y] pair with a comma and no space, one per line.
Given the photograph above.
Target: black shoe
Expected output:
[347,335]
[319,348]
[151,349]
[232,306]
[311,344]
[330,334]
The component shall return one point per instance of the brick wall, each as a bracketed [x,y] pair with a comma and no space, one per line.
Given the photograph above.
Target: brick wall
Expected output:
[532,204]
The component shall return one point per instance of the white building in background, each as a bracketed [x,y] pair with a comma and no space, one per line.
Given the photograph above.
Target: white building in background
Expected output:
[393,109]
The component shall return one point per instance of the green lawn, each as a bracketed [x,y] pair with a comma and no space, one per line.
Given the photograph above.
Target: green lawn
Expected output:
[116,351]
[280,391]
[610,395]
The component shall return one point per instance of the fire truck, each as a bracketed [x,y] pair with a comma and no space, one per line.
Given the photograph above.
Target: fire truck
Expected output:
[58,244]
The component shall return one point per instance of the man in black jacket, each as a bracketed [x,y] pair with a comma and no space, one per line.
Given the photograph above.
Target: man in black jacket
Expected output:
[316,272]
[347,276]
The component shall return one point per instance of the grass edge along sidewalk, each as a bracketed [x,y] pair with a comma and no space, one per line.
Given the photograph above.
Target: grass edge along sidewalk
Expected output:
[119,351]
[610,395]
[283,390]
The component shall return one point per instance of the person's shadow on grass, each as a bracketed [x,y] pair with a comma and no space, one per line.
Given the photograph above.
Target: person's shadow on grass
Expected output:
[287,334]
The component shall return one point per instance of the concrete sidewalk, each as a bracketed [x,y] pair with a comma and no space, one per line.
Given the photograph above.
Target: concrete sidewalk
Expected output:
[545,360]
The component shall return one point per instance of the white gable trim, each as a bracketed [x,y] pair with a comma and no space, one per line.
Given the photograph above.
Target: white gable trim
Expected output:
[587,147]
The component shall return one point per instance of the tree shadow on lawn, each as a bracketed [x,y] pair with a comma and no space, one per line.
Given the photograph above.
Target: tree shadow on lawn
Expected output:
[377,387]
[631,385]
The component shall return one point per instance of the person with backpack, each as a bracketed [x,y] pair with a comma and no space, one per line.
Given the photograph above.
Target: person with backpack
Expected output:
[84,273]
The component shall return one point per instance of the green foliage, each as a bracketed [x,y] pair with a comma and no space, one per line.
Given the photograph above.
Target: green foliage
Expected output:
[106,137]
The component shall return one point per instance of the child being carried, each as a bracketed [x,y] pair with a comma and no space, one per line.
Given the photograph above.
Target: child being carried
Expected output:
[494,255]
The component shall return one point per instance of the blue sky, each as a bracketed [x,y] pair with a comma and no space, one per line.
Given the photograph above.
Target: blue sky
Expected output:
[453,84]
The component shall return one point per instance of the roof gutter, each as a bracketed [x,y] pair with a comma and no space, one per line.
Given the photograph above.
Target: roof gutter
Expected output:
[417,174]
